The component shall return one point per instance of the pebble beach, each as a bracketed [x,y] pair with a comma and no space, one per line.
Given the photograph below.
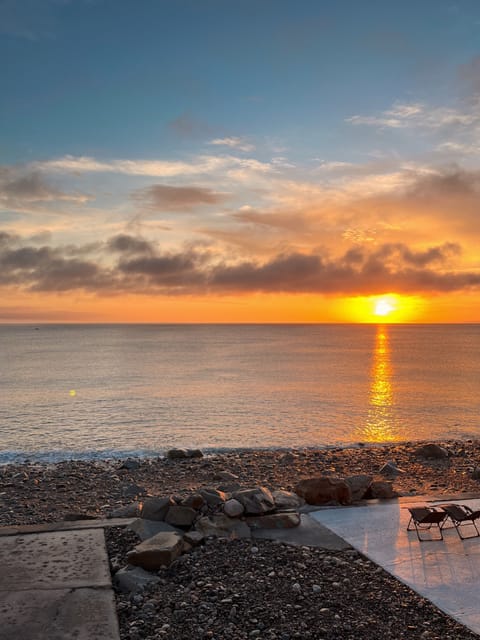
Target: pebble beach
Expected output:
[242,588]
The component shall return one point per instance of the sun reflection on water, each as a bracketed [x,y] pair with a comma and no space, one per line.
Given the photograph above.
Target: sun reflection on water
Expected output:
[379,423]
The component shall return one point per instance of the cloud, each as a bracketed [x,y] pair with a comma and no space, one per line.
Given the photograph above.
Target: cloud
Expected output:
[124,243]
[421,116]
[205,164]
[161,197]
[134,265]
[234,143]
[451,182]
[20,189]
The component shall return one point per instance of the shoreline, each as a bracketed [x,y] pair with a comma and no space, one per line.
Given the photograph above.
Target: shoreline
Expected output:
[34,493]
[113,456]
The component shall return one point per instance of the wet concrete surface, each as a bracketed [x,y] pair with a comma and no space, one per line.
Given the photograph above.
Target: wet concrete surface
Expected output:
[446,572]
[56,586]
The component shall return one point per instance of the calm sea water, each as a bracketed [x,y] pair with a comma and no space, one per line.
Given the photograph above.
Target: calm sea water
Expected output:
[105,390]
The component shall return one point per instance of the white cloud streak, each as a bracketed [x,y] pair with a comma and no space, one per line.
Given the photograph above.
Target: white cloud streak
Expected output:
[234,143]
[205,164]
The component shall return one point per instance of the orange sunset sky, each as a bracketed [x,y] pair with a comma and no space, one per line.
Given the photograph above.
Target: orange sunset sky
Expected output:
[240,162]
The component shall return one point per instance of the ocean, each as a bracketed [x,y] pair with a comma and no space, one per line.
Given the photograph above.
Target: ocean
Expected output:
[98,391]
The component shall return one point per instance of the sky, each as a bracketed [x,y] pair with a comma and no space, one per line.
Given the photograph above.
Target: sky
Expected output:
[239,161]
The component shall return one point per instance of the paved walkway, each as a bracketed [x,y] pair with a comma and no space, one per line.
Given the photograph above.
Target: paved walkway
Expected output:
[55,585]
[447,573]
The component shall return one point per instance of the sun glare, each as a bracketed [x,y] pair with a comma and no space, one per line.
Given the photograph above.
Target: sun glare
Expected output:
[384,306]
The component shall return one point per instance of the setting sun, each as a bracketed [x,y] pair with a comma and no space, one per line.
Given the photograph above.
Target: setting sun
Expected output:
[384,307]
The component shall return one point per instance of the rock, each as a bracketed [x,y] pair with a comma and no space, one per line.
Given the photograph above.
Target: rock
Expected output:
[432,450]
[195,501]
[130,464]
[132,490]
[476,473]
[194,538]
[233,508]
[194,453]
[180,516]
[255,501]
[183,454]
[382,489]
[323,490]
[146,529]
[359,485]
[156,508]
[213,497]
[127,511]
[226,476]
[177,454]
[287,500]
[221,526]
[132,579]
[156,552]
[274,521]
[391,469]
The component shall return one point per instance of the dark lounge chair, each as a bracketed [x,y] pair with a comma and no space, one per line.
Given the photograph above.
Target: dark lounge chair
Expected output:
[462,516]
[424,518]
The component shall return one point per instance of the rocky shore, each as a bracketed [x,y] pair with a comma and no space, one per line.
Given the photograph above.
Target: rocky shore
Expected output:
[220,583]
[36,493]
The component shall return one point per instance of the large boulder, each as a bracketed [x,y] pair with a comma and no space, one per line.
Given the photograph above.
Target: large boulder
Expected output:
[286,520]
[180,516]
[221,526]
[287,500]
[213,497]
[432,450]
[156,552]
[382,489]
[359,485]
[194,501]
[255,501]
[146,529]
[233,508]
[324,490]
[156,508]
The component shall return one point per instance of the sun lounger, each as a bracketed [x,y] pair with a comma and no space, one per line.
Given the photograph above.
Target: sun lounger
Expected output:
[462,516]
[423,519]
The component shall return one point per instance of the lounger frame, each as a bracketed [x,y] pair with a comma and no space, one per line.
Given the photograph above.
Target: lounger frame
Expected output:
[461,516]
[424,519]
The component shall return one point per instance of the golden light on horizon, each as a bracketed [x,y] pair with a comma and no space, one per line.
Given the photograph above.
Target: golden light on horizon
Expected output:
[387,308]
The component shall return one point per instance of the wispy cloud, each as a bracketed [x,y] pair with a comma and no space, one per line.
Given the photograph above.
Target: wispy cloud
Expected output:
[204,164]
[234,143]
[423,116]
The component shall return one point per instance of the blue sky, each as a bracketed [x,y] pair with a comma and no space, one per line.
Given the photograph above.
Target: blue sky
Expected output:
[249,130]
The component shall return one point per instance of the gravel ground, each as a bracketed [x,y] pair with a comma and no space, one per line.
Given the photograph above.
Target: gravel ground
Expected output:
[34,493]
[238,589]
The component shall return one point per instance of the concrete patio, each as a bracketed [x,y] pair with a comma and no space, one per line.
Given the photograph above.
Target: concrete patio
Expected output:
[56,585]
[446,572]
